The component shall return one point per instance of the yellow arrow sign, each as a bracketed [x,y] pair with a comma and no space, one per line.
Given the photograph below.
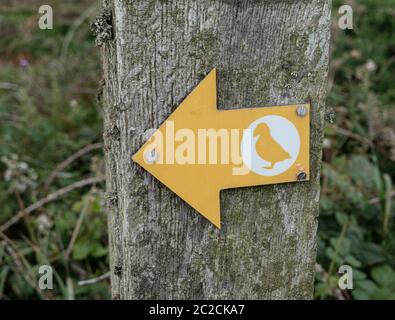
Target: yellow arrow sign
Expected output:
[200,150]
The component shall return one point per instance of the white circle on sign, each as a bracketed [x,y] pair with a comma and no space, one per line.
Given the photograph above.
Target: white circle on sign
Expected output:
[270,145]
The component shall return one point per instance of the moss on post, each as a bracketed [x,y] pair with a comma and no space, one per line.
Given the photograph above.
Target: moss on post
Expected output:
[266,53]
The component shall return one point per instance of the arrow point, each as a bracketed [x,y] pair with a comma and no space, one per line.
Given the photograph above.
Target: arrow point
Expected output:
[188,183]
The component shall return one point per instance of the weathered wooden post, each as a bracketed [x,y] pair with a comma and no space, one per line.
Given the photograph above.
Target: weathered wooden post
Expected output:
[267,53]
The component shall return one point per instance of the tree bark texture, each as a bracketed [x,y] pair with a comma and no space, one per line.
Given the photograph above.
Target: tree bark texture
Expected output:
[266,53]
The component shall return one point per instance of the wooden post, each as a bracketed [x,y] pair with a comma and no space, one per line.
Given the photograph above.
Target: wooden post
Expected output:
[266,53]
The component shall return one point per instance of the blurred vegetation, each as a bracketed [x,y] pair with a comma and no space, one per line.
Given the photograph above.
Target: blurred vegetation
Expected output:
[356,225]
[48,112]
[50,134]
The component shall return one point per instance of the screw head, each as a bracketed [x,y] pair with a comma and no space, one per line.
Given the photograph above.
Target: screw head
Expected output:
[301,111]
[301,176]
[150,156]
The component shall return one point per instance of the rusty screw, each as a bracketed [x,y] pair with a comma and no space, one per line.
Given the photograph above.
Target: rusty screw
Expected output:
[301,111]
